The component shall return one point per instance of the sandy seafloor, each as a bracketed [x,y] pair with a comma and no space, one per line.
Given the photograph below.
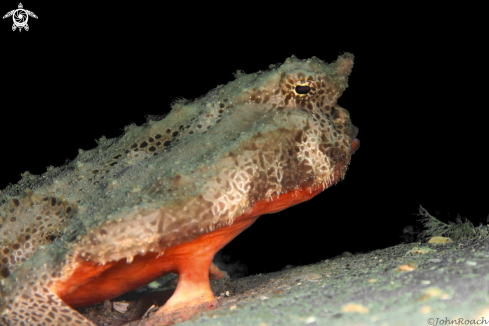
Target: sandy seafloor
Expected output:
[408,284]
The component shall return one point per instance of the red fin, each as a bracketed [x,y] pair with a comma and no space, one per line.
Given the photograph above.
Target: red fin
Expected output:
[92,283]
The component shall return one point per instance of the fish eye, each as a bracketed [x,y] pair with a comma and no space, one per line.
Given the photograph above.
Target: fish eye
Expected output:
[305,90]
[302,89]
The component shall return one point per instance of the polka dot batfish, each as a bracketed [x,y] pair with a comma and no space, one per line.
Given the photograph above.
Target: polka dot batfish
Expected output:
[166,196]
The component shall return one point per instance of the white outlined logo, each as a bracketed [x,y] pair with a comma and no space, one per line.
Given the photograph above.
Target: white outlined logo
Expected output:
[20,17]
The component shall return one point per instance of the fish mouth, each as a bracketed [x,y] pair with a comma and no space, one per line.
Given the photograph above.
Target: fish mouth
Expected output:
[355,145]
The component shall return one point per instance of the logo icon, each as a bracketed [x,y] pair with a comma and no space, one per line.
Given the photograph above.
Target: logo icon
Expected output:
[20,17]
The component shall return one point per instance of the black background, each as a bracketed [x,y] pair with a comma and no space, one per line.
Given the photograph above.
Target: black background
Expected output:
[417,94]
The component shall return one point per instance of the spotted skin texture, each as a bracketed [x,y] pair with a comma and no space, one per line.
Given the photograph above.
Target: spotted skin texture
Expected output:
[166,196]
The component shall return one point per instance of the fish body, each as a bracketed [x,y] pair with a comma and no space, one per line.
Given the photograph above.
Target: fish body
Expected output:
[166,196]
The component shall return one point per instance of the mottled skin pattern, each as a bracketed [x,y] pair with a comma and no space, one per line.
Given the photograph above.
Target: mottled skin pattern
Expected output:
[195,179]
